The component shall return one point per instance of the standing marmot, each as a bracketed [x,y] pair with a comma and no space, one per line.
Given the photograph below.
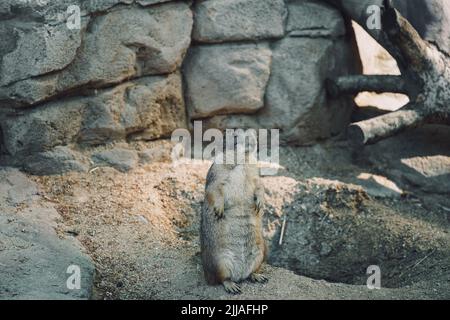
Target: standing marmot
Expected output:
[231,237]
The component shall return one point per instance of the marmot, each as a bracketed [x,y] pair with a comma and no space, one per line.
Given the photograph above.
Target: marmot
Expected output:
[231,236]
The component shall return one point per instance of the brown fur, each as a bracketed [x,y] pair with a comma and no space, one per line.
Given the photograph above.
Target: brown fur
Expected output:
[232,243]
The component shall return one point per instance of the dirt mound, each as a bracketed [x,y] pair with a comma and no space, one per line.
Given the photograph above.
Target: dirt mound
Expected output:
[335,231]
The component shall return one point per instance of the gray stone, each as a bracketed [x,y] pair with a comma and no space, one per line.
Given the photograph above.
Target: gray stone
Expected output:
[228,78]
[160,152]
[42,128]
[31,49]
[125,43]
[35,261]
[42,10]
[16,188]
[59,160]
[34,258]
[55,11]
[145,109]
[121,159]
[232,20]
[29,91]
[314,19]
[148,108]
[121,44]
[296,100]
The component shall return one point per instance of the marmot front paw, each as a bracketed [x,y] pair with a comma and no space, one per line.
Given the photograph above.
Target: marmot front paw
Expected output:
[258,278]
[259,204]
[219,211]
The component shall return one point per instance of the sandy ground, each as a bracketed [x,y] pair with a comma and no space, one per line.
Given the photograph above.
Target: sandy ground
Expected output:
[141,229]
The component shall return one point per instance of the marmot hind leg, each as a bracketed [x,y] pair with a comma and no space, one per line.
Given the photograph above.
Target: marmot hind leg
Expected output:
[232,287]
[220,274]
[215,201]
[258,278]
[258,199]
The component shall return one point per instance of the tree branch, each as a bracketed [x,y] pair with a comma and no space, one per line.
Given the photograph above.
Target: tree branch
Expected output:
[394,30]
[413,49]
[376,129]
[425,74]
[358,83]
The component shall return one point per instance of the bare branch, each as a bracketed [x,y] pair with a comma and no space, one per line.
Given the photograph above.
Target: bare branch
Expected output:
[376,129]
[396,35]
[358,83]
[425,74]
[413,49]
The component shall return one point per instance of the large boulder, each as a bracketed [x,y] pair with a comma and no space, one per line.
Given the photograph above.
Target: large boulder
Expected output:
[228,78]
[16,188]
[35,259]
[148,109]
[233,20]
[125,43]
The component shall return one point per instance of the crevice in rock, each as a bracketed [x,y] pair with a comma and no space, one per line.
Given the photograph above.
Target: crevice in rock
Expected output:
[293,34]
[85,90]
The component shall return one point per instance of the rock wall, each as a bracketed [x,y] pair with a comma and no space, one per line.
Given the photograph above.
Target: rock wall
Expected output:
[139,69]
